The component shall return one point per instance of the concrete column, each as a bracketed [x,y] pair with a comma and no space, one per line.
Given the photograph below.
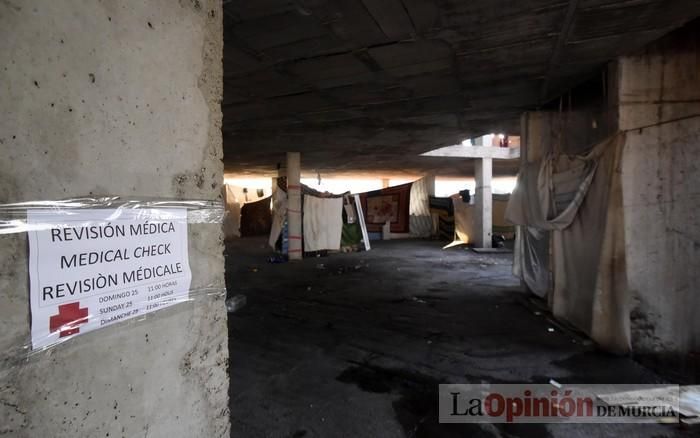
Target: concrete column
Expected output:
[659,102]
[484,203]
[294,204]
[95,99]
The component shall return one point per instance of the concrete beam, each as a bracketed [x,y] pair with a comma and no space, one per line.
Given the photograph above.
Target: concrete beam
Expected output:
[461,151]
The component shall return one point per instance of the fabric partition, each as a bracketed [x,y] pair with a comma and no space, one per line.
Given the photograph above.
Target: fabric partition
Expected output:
[391,204]
[323,223]
[611,324]
[442,215]
[256,218]
[531,259]
[232,220]
[464,220]
[351,235]
[590,282]
[579,200]
[500,225]
[420,220]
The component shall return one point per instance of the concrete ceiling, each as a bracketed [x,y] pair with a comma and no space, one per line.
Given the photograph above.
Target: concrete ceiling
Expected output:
[367,85]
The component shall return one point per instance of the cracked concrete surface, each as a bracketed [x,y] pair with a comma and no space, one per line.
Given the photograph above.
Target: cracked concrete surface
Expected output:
[355,344]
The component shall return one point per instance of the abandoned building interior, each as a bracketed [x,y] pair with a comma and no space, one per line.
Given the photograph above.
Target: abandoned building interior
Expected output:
[316,218]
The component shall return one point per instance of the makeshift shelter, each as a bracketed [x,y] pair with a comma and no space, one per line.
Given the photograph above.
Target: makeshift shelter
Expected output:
[405,207]
[443,219]
[391,205]
[235,198]
[256,218]
[322,218]
[453,218]
[463,220]
[578,200]
[420,221]
[323,223]
[500,226]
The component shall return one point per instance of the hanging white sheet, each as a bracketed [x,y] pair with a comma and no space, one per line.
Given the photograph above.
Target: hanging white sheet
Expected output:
[323,223]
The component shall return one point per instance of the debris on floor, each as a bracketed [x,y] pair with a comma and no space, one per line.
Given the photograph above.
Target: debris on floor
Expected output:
[690,404]
[235,303]
[279,258]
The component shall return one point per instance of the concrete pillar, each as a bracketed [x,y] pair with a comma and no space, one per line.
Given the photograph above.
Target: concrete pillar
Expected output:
[484,203]
[659,103]
[114,98]
[294,205]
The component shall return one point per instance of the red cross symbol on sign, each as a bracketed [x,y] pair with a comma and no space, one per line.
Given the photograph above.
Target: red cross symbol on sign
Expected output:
[69,317]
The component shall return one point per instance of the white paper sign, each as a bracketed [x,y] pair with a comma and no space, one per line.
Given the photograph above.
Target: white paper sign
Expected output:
[92,268]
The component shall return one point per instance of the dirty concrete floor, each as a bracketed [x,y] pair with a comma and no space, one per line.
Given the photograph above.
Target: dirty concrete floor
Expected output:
[355,345]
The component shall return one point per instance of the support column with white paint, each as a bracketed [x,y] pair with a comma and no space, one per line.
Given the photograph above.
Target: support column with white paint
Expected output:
[484,203]
[294,205]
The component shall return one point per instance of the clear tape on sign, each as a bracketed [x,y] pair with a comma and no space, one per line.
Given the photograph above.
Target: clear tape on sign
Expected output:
[13,217]
[96,262]
[76,321]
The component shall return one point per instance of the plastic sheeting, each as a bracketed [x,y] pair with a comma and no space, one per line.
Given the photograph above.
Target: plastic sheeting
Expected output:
[531,259]
[323,223]
[13,217]
[578,199]
[464,220]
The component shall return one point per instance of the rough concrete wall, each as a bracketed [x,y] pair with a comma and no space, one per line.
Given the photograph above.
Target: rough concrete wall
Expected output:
[114,97]
[661,181]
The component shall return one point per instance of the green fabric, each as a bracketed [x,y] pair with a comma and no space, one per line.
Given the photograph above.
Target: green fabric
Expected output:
[352,235]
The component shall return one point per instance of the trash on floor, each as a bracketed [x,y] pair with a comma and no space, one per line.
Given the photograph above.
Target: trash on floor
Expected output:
[279,258]
[555,383]
[235,303]
[690,404]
